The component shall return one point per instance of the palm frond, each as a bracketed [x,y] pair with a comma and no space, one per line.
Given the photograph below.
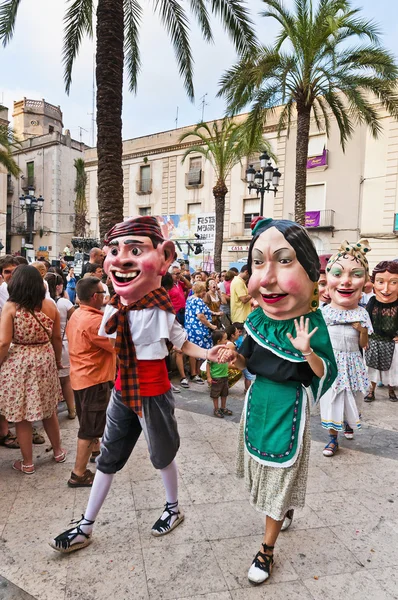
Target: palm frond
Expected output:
[132,21]
[239,26]
[199,10]
[8,16]
[176,23]
[78,21]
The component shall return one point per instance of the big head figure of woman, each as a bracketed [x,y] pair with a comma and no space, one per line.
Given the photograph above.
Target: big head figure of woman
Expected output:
[283,268]
[347,274]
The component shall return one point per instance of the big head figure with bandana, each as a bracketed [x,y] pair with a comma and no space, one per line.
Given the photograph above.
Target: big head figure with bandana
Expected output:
[136,257]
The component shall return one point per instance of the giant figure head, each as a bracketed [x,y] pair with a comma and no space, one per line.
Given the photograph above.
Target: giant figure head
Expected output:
[385,281]
[136,257]
[284,269]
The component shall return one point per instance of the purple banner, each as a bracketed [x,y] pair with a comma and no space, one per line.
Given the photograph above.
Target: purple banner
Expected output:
[318,161]
[312,218]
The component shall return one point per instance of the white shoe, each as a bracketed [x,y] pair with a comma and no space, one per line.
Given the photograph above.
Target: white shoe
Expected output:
[260,571]
[175,389]
[184,382]
[287,520]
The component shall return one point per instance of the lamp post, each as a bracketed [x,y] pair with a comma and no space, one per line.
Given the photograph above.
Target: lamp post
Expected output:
[30,204]
[263,179]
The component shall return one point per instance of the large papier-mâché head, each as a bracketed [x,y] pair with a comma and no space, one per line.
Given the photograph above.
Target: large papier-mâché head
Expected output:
[284,269]
[137,256]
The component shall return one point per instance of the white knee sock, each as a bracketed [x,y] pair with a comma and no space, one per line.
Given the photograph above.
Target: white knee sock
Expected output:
[99,491]
[170,481]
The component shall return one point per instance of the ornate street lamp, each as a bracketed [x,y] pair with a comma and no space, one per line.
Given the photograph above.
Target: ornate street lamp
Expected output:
[30,204]
[263,179]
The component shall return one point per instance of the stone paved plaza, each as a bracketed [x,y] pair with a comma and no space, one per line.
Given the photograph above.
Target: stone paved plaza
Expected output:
[342,545]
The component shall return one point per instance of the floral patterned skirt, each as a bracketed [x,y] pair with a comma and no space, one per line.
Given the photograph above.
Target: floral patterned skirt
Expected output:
[29,384]
[275,490]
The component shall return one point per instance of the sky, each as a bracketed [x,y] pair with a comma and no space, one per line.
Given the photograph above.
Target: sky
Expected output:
[31,66]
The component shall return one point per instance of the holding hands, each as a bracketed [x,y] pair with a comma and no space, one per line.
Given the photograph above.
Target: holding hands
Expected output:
[302,340]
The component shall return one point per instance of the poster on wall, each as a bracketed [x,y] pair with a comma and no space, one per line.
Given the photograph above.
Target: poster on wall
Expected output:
[178,227]
[197,228]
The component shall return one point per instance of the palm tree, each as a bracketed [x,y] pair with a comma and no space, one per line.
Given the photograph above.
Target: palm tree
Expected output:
[8,143]
[314,71]
[80,200]
[224,143]
[117,32]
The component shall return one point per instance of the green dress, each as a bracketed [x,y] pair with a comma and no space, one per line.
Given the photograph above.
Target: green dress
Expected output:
[274,439]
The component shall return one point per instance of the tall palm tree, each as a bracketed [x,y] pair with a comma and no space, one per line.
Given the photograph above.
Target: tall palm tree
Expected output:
[80,200]
[314,71]
[117,32]
[224,143]
[8,143]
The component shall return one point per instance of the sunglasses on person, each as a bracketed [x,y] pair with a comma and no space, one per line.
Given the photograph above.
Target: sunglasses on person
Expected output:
[98,292]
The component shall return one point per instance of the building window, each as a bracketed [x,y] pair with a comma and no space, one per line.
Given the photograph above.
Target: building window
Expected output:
[251,209]
[30,171]
[316,197]
[145,179]
[194,208]
[194,175]
[316,144]
[145,211]
[50,129]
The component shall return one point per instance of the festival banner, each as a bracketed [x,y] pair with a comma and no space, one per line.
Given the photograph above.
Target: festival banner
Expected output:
[318,161]
[313,218]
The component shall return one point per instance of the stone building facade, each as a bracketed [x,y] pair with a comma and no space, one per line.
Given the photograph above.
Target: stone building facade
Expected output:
[350,194]
[46,159]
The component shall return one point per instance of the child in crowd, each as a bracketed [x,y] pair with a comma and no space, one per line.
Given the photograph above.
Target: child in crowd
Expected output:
[249,377]
[234,374]
[217,378]
[349,326]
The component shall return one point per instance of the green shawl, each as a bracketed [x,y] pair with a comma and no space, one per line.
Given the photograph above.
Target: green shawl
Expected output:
[275,412]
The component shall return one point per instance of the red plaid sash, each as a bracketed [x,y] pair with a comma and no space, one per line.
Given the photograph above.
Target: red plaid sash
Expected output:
[124,346]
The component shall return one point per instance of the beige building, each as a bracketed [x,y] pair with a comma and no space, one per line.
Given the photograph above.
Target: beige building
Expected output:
[46,159]
[3,190]
[349,195]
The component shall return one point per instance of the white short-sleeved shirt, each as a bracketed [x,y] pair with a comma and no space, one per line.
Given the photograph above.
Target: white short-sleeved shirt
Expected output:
[150,329]
[63,306]
[3,295]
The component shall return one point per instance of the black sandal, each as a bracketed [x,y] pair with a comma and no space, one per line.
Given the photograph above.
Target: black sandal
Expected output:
[162,526]
[260,570]
[62,543]
[370,397]
[391,395]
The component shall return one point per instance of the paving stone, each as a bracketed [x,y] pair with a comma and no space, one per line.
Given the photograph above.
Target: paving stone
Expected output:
[355,586]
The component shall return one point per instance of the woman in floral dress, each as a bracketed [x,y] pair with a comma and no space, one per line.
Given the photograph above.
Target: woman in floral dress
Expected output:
[198,325]
[30,354]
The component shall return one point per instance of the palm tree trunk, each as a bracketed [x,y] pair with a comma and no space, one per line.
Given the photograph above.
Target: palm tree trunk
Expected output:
[109,73]
[303,132]
[220,190]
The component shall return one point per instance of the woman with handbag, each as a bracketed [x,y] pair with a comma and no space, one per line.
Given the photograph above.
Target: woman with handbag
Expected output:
[30,356]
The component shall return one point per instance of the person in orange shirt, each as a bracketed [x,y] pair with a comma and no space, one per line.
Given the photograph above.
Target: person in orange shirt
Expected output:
[92,369]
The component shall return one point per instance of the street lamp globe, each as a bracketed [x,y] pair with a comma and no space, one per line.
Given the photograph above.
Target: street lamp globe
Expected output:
[276,177]
[28,201]
[268,173]
[40,201]
[264,158]
[258,179]
[22,201]
[250,173]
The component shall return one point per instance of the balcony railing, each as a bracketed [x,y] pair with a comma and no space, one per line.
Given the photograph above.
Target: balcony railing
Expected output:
[194,178]
[28,183]
[239,230]
[143,186]
[318,219]
[10,186]
[19,229]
